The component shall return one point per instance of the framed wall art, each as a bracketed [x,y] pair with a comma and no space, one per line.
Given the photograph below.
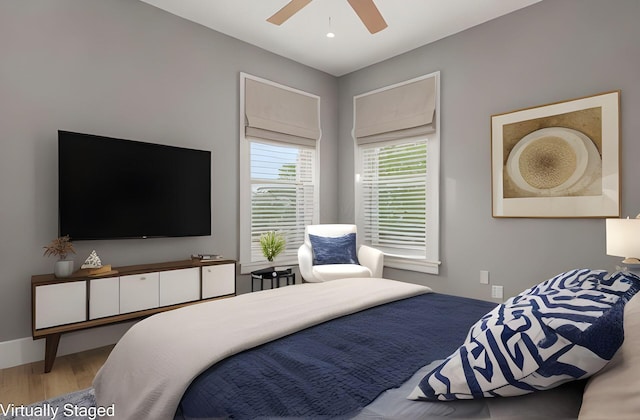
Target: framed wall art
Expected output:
[558,160]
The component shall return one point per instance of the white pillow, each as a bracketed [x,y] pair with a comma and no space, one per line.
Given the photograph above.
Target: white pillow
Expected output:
[565,328]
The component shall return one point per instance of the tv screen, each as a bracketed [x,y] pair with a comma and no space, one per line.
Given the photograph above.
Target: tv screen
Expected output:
[113,188]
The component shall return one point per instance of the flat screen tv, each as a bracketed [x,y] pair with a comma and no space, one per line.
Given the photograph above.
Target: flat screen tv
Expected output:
[114,189]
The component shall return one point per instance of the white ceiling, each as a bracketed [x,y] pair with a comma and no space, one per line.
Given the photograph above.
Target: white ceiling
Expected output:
[412,23]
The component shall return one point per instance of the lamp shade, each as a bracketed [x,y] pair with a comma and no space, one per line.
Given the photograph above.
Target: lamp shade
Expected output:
[623,237]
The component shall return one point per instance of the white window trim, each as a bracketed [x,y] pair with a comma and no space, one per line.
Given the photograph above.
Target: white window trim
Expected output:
[423,265]
[246,265]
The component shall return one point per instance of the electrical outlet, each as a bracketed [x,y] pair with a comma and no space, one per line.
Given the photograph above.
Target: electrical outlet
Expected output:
[484,277]
[497,292]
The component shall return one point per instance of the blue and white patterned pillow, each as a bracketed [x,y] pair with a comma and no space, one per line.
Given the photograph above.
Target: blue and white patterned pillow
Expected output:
[334,250]
[563,329]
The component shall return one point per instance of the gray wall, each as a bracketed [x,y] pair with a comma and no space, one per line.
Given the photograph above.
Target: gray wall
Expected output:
[125,69]
[552,51]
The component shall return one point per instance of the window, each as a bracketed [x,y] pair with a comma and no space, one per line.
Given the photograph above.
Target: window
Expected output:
[280,130]
[397,165]
[282,194]
[393,195]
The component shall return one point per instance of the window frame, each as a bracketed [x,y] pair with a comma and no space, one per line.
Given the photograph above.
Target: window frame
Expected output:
[246,263]
[430,262]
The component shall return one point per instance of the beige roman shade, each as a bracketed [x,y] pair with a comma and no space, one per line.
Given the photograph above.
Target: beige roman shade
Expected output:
[403,111]
[275,113]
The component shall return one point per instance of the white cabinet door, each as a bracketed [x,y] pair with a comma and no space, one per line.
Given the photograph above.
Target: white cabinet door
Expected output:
[218,280]
[179,286]
[61,303]
[104,297]
[139,292]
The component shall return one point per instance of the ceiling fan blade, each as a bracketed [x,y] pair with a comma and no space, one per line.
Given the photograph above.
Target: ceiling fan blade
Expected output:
[369,15]
[287,11]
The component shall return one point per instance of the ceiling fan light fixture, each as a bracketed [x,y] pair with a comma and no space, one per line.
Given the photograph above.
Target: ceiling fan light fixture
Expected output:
[365,9]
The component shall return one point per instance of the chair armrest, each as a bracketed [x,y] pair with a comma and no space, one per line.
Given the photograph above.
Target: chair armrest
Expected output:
[371,258]
[305,263]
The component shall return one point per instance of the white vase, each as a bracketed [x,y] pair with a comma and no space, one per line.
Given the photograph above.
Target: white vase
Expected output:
[63,268]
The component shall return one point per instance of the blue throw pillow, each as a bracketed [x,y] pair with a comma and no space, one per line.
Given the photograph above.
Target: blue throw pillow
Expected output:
[563,329]
[338,250]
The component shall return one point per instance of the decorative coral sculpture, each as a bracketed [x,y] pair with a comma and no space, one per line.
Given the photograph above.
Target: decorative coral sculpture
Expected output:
[92,261]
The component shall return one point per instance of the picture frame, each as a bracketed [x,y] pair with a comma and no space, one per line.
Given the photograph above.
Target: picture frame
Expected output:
[560,160]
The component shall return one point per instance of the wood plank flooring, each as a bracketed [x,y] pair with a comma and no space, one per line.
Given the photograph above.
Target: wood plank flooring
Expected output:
[27,384]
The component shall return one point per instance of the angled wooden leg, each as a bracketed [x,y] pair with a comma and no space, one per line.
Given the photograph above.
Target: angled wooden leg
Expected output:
[50,351]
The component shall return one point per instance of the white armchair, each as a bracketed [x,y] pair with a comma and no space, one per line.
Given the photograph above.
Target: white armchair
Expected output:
[370,259]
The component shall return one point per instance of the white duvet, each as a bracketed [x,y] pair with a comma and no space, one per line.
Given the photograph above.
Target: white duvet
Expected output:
[155,361]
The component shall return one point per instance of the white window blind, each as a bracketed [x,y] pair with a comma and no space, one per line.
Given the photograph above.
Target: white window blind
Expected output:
[393,193]
[282,193]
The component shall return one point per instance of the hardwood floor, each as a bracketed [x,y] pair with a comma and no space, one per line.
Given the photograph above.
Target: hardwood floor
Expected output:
[28,383]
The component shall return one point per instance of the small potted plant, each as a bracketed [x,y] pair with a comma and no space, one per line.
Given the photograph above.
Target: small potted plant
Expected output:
[61,247]
[272,243]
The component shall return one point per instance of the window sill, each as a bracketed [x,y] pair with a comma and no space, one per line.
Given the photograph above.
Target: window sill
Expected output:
[412,264]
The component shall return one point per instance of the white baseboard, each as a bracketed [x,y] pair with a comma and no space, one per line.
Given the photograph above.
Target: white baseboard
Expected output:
[27,350]
[20,351]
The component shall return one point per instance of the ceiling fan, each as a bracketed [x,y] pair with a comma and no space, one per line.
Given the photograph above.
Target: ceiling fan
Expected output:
[365,9]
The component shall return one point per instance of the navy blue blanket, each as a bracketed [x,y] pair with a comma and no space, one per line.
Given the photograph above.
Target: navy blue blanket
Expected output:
[335,368]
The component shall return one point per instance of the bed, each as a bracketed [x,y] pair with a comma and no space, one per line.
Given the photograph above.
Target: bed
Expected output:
[350,348]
